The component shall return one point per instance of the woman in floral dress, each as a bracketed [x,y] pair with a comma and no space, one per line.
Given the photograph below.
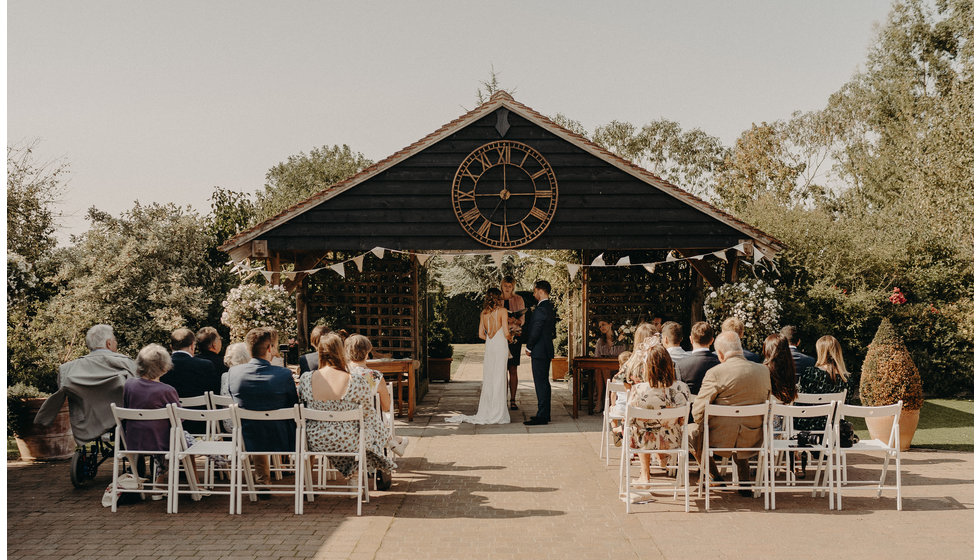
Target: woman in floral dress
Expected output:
[333,388]
[828,376]
[660,389]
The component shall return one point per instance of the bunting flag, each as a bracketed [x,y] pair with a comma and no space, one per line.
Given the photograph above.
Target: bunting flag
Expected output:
[378,252]
[670,256]
[721,255]
[267,274]
[697,257]
[359,262]
[448,257]
[549,261]
[289,275]
[598,261]
[498,258]
[757,255]
[650,267]
[625,261]
[573,270]
[339,269]
[422,258]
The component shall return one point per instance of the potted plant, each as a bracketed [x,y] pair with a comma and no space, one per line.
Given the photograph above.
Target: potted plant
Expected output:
[34,442]
[888,375]
[440,338]
[559,364]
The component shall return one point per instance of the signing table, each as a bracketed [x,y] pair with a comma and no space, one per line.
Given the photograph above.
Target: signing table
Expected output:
[608,366]
[399,372]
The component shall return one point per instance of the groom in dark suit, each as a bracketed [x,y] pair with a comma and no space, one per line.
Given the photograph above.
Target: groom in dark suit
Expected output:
[541,349]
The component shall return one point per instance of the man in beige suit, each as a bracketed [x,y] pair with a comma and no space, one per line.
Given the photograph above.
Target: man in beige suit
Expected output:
[734,382]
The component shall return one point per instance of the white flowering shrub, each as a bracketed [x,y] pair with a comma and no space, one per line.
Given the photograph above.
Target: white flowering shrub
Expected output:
[251,305]
[754,302]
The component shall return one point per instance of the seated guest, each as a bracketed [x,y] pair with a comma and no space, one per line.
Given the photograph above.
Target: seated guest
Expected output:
[208,344]
[147,392]
[333,388]
[309,362]
[829,375]
[236,354]
[606,346]
[735,325]
[660,389]
[631,371]
[192,377]
[691,370]
[801,360]
[259,385]
[671,335]
[734,382]
[358,349]
[782,372]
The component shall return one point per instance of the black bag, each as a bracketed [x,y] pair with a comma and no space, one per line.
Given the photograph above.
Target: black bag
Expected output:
[847,436]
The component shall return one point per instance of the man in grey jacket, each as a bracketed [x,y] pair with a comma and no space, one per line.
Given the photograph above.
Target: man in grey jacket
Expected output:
[90,383]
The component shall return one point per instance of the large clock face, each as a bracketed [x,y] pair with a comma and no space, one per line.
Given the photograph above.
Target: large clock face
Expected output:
[505,194]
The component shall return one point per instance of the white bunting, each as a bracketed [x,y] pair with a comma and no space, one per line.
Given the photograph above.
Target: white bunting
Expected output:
[522,254]
[650,267]
[549,261]
[359,262]
[757,255]
[339,269]
[498,258]
[573,270]
[721,255]
[598,261]
[698,257]
[289,275]
[267,275]
[423,258]
[378,252]
[670,256]
[625,261]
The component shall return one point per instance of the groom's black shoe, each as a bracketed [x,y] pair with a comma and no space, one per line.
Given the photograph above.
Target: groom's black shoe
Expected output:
[535,421]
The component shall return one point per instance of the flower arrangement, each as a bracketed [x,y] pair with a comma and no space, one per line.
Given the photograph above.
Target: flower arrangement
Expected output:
[754,302]
[624,334]
[888,373]
[251,305]
[897,297]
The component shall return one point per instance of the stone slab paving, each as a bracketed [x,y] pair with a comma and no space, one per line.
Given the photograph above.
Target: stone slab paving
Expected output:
[499,492]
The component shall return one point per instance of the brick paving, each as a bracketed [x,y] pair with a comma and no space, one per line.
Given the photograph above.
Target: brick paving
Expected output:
[498,492]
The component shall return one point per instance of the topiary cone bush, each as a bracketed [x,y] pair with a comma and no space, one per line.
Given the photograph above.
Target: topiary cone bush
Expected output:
[888,373]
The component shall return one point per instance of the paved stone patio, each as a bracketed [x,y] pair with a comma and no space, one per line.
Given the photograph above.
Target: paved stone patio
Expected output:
[499,492]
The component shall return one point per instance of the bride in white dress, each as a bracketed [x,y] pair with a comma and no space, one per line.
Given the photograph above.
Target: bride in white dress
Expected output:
[493,396]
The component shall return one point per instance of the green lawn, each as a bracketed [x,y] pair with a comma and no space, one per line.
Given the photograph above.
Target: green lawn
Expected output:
[943,424]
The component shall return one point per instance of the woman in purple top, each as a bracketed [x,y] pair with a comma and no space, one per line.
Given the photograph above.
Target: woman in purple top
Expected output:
[147,392]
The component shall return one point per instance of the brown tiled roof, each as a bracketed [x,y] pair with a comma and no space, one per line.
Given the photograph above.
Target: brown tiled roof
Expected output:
[497,100]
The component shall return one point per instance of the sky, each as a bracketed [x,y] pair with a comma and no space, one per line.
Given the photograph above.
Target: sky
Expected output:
[163,101]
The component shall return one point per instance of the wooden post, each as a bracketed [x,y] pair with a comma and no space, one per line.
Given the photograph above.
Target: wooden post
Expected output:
[585,309]
[302,319]
[275,266]
[731,269]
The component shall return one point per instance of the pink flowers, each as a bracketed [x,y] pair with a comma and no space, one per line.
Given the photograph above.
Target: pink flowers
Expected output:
[897,296]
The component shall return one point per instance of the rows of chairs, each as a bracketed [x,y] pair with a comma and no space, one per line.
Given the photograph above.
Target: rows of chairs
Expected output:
[225,457]
[773,459]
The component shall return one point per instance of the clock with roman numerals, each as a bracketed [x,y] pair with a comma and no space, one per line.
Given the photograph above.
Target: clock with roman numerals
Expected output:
[505,194]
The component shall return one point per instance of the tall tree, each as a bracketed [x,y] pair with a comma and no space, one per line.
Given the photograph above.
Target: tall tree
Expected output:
[303,175]
[33,188]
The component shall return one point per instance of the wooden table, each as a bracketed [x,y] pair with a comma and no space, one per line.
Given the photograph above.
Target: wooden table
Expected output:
[396,371]
[609,366]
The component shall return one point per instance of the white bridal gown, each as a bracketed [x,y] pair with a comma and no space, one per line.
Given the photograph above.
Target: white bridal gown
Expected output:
[493,395]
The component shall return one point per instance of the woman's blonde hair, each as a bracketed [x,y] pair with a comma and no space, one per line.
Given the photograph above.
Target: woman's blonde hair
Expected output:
[830,357]
[643,332]
[358,347]
[331,352]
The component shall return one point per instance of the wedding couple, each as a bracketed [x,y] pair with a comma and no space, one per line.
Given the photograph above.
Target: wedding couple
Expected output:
[495,330]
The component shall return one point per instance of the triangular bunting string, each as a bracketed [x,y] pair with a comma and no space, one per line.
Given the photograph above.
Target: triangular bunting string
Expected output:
[598,261]
[573,270]
[359,262]
[422,258]
[625,261]
[650,267]
[378,252]
[339,269]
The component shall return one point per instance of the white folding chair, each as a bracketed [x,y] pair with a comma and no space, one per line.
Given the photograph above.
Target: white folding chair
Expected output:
[681,480]
[221,401]
[607,417]
[210,449]
[761,483]
[202,401]
[123,452]
[359,488]
[245,462]
[780,451]
[889,450]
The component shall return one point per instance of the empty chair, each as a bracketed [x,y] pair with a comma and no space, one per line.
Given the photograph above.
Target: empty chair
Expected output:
[256,488]
[888,450]
[127,456]
[358,456]
[781,451]
[761,483]
[681,479]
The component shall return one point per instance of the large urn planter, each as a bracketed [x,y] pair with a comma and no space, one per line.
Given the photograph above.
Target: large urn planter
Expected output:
[559,368]
[908,421]
[439,369]
[45,443]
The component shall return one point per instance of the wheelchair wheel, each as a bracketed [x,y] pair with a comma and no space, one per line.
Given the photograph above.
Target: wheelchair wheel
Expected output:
[83,467]
[382,480]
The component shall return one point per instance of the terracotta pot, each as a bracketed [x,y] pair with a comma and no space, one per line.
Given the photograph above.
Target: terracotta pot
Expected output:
[881,427]
[559,368]
[46,443]
[439,369]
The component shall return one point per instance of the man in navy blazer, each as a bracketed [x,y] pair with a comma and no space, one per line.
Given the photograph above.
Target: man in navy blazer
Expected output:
[541,349]
[735,325]
[800,360]
[311,361]
[691,370]
[259,385]
[192,377]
